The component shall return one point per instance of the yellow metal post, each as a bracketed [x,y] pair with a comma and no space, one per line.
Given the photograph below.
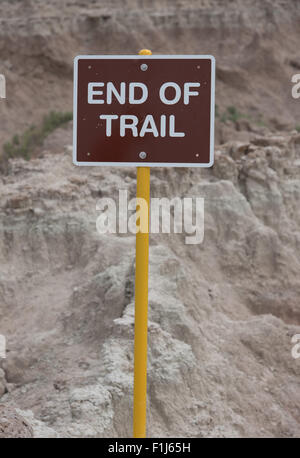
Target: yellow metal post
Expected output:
[141,305]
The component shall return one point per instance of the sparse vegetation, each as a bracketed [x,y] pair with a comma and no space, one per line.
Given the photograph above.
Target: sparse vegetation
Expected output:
[260,122]
[23,145]
[297,128]
[231,114]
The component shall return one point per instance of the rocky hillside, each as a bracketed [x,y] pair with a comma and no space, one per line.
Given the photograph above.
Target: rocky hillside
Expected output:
[255,42]
[222,313]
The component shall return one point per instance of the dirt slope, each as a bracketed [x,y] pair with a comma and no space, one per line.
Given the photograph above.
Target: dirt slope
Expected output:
[222,314]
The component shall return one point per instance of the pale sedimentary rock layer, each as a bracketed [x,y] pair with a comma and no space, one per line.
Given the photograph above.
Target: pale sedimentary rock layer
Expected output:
[221,314]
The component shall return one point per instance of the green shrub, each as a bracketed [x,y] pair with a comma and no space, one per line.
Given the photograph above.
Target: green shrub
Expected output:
[23,145]
[231,114]
[260,122]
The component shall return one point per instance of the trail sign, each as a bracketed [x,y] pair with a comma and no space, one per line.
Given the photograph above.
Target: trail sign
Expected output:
[144,110]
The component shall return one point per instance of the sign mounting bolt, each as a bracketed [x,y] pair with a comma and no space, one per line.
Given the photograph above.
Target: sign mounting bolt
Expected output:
[144,67]
[142,155]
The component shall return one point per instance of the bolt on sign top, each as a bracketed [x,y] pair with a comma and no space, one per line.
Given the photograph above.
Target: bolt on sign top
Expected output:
[144,110]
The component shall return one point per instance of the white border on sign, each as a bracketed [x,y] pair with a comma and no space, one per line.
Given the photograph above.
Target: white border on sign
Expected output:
[147,164]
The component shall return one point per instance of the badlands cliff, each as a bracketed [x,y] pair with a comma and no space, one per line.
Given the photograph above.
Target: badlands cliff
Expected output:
[222,313]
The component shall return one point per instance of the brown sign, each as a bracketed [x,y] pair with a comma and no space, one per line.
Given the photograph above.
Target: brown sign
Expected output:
[144,110]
